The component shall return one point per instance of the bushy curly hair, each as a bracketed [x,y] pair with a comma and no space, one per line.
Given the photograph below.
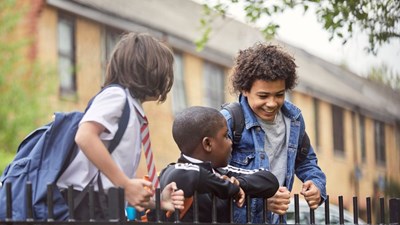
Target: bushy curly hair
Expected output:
[265,62]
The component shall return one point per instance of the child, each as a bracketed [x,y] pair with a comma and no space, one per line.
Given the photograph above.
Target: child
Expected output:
[201,134]
[274,137]
[143,66]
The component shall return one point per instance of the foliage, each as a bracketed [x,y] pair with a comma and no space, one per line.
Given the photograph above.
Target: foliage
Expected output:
[19,81]
[385,76]
[6,158]
[379,19]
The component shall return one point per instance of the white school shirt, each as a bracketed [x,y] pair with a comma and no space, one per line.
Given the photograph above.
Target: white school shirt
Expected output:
[106,110]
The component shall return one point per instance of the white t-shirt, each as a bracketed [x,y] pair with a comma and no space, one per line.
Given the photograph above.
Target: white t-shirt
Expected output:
[106,109]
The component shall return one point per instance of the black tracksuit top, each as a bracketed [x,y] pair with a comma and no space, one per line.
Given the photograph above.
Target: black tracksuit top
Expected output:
[201,177]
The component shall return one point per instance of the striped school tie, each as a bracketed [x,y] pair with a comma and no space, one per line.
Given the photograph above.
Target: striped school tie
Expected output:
[151,167]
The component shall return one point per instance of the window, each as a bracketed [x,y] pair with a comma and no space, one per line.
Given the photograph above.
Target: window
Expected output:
[338,130]
[214,85]
[66,57]
[178,89]
[362,139]
[379,134]
[111,39]
[316,121]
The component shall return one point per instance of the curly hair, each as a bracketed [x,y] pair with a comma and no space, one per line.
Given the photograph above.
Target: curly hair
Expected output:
[263,62]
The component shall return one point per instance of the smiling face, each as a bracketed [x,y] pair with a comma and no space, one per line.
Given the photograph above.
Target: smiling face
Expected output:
[266,98]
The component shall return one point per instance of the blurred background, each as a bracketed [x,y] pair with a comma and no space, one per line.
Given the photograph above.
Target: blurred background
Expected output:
[53,55]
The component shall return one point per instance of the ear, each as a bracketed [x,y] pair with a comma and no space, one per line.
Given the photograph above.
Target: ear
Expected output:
[206,142]
[245,93]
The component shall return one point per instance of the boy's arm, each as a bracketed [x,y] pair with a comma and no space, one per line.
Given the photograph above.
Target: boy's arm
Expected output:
[256,183]
[261,184]
[191,178]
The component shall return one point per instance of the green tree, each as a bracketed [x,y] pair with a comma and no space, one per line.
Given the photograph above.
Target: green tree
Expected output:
[20,83]
[385,76]
[379,19]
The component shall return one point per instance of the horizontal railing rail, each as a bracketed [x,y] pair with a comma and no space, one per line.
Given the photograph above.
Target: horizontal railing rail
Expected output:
[117,213]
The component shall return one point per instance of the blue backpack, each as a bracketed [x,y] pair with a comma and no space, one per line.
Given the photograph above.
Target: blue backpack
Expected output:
[41,159]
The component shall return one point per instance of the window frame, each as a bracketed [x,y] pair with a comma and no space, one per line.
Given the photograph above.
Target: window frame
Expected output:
[214,85]
[179,95]
[66,57]
[338,130]
[380,143]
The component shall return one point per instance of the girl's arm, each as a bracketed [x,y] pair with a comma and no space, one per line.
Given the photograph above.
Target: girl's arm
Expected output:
[88,139]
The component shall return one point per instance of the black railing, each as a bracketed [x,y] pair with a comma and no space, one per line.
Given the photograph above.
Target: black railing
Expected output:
[116,209]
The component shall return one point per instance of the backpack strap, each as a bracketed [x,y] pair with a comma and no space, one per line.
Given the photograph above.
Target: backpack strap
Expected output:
[237,127]
[303,149]
[122,124]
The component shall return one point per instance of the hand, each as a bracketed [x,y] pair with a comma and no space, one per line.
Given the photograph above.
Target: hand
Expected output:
[311,194]
[279,203]
[240,196]
[233,180]
[172,198]
[138,193]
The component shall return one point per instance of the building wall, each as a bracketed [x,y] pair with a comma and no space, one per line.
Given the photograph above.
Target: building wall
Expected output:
[88,58]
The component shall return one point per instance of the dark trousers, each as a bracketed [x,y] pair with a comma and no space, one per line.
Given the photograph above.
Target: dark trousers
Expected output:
[82,209]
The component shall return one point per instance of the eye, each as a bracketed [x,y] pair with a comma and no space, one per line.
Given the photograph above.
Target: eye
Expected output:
[226,136]
[280,95]
[263,96]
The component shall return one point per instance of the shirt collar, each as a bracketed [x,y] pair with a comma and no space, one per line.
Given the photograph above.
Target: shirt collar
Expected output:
[191,159]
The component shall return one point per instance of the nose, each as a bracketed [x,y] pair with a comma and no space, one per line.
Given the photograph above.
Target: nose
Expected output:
[271,102]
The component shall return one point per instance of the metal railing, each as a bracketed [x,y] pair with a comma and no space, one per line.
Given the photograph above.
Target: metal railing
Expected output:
[117,215]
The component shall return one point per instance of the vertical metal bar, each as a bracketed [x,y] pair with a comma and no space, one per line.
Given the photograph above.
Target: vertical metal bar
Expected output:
[214,209]
[296,209]
[327,212]
[28,196]
[382,210]
[71,203]
[265,211]
[113,205]
[341,216]
[91,203]
[177,215]
[121,205]
[231,210]
[158,205]
[50,205]
[369,213]
[248,209]
[312,216]
[8,202]
[281,219]
[195,208]
[355,210]
[394,210]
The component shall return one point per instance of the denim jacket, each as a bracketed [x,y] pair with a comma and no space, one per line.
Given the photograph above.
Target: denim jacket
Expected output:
[250,154]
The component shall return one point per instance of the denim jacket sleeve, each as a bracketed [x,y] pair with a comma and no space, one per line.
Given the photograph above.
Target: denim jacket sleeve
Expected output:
[308,169]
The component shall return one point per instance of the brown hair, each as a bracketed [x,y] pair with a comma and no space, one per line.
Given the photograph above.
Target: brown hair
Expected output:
[142,64]
[263,62]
